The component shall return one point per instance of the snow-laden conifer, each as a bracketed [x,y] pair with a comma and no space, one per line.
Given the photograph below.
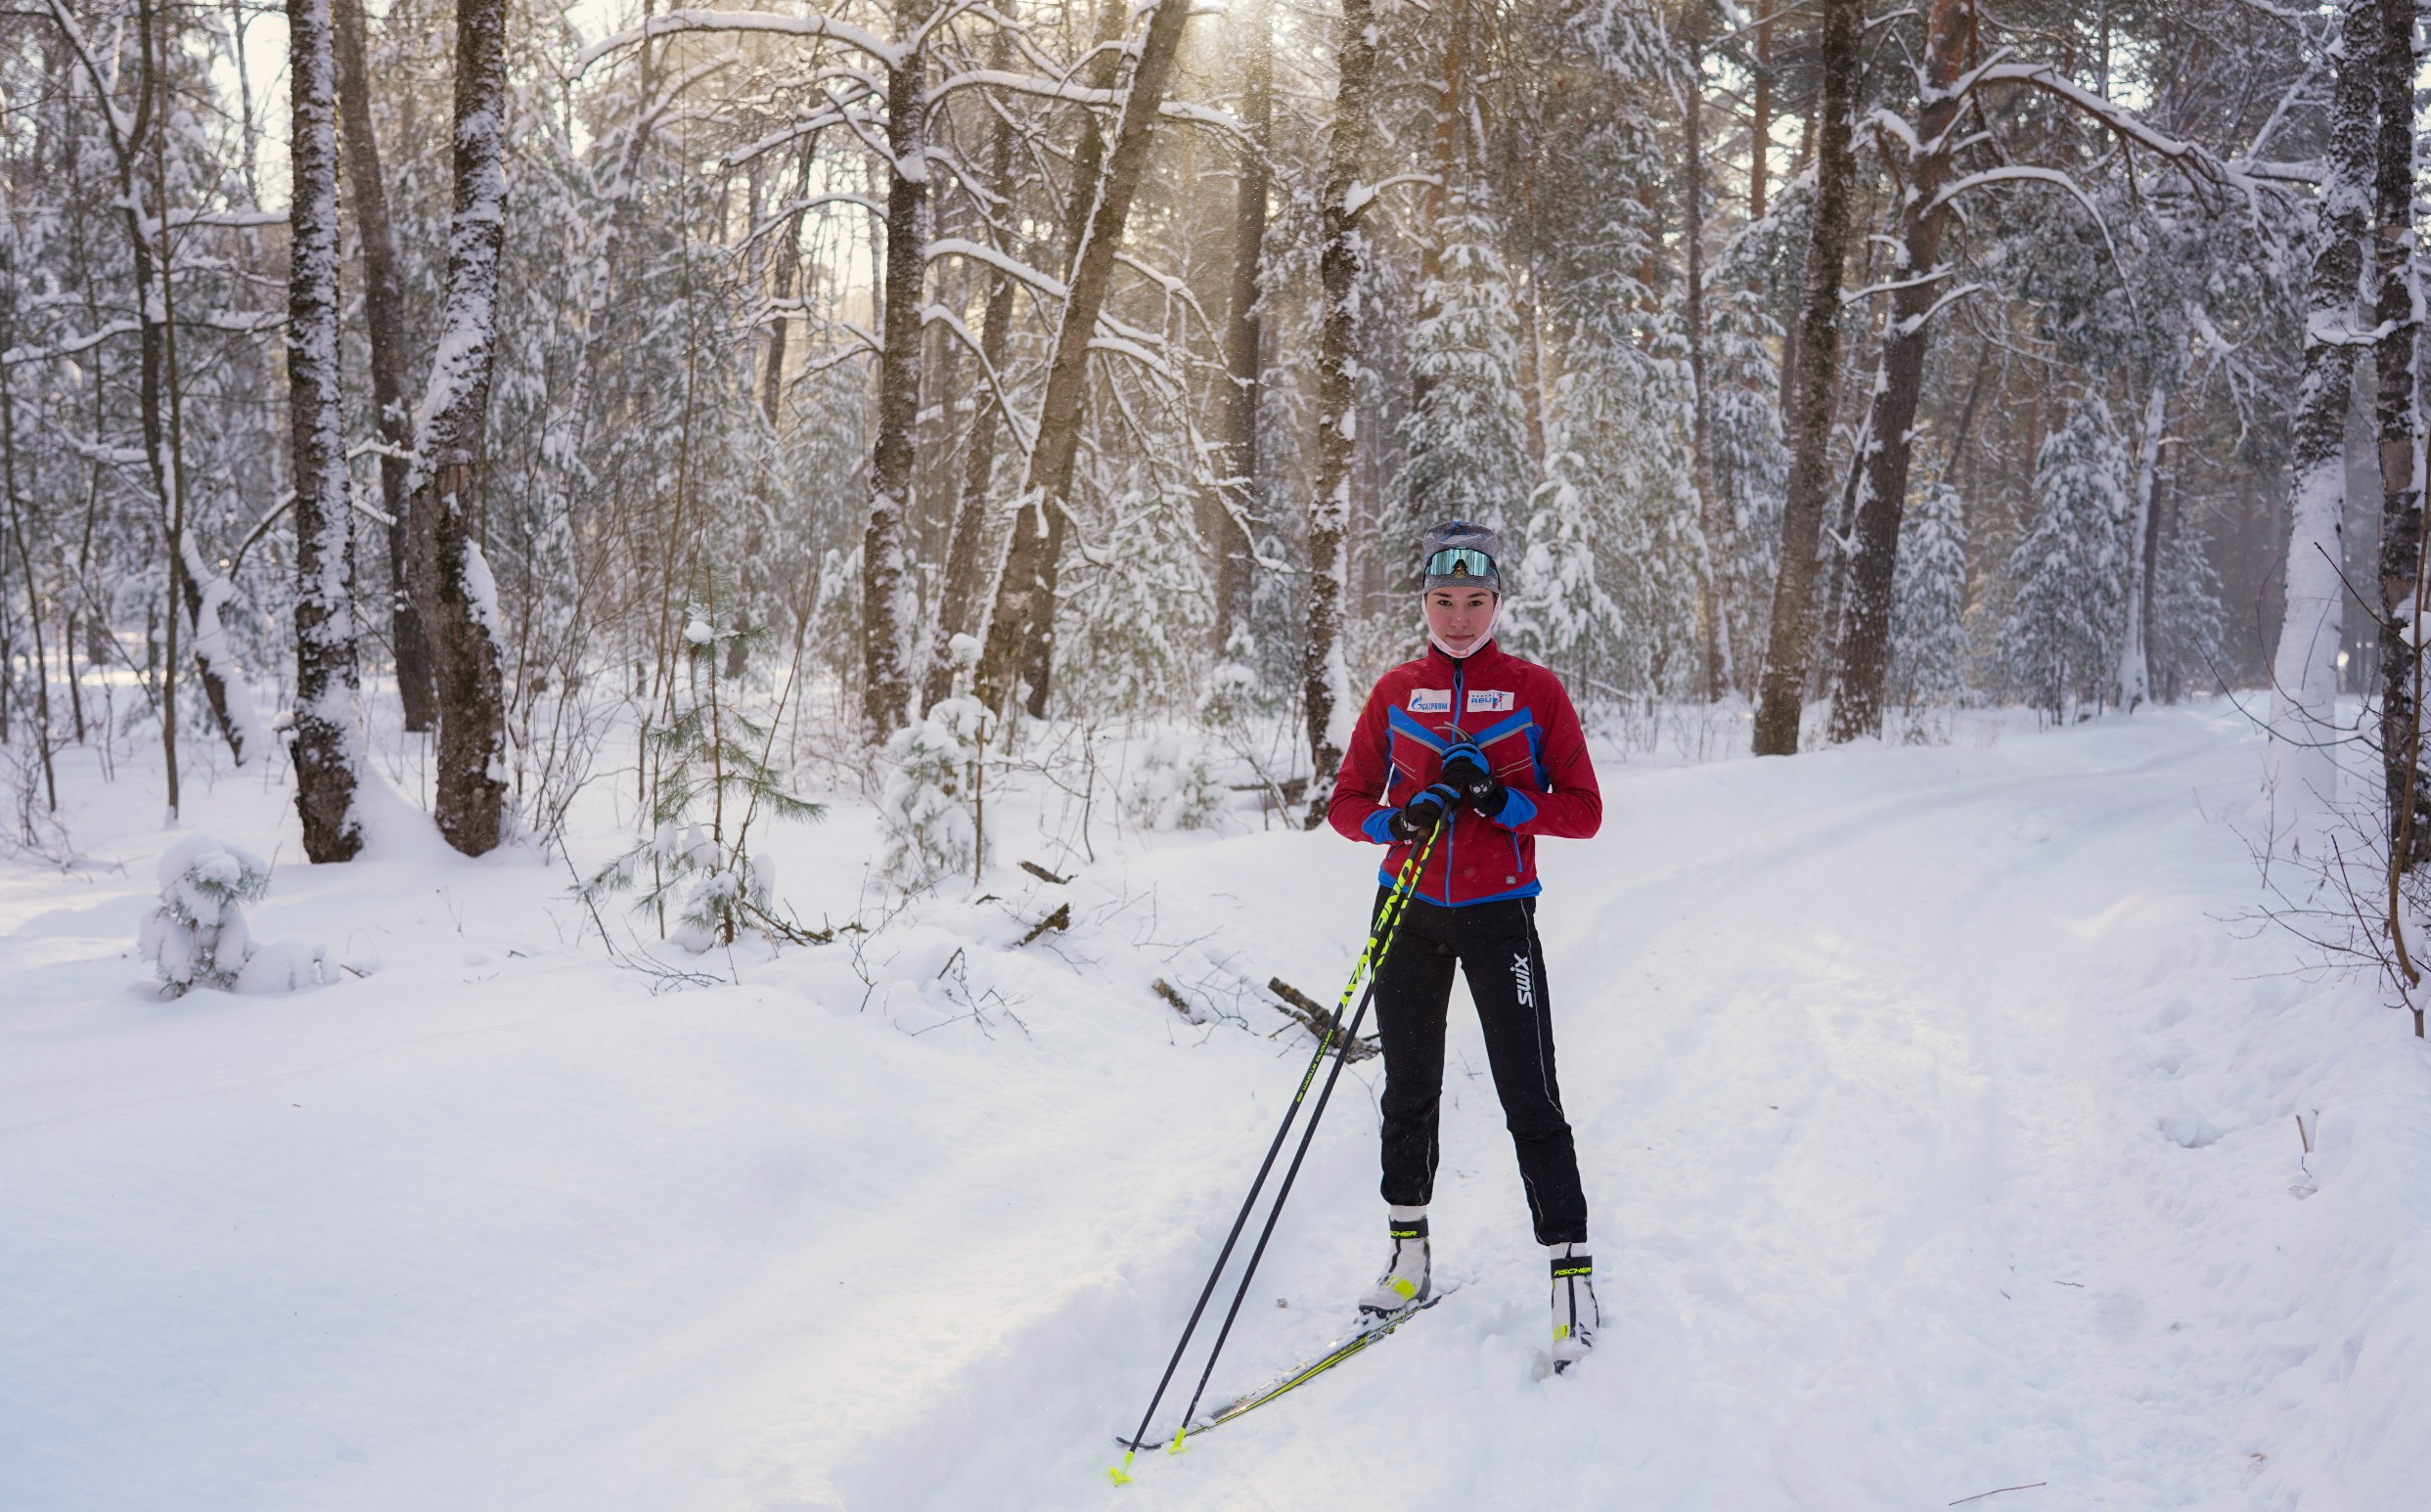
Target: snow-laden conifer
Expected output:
[2058,642]
[197,937]
[1464,437]
[1613,559]
[710,778]
[1141,598]
[2191,629]
[1928,629]
[929,805]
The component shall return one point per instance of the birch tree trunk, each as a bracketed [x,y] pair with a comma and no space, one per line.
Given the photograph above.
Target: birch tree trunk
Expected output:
[1326,693]
[2397,411]
[384,317]
[1022,629]
[2142,534]
[1865,642]
[451,581]
[885,679]
[327,762]
[1812,382]
[2301,771]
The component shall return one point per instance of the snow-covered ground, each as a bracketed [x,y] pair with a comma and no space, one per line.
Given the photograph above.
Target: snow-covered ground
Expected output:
[1939,1111]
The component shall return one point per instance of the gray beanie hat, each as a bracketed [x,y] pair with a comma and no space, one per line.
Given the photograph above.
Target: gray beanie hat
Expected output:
[1462,570]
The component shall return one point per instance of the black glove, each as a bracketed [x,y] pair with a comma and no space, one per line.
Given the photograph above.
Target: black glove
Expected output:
[1465,771]
[1419,817]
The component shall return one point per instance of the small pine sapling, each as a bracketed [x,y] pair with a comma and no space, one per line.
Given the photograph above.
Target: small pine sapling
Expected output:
[197,937]
[712,780]
[931,803]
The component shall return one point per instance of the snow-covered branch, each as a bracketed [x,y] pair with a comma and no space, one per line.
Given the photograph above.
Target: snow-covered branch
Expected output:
[1012,267]
[2127,122]
[1023,433]
[1362,194]
[859,38]
[123,326]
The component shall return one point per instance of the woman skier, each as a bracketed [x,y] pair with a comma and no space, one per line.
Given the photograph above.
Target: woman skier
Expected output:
[1488,745]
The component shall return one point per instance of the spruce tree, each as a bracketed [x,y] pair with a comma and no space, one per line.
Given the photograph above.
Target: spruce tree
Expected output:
[1464,437]
[2070,568]
[1928,629]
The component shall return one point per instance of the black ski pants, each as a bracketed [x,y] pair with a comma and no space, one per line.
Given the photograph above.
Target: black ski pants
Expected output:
[1496,947]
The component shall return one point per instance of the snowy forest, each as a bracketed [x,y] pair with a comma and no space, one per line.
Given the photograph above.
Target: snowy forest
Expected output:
[671,683]
[425,385]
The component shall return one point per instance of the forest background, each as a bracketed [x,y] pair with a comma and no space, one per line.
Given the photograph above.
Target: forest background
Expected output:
[752,389]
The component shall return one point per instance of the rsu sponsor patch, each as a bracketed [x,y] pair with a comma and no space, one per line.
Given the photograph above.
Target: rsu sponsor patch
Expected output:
[1491,700]
[1431,700]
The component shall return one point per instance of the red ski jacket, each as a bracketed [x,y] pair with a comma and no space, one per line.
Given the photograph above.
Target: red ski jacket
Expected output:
[1514,711]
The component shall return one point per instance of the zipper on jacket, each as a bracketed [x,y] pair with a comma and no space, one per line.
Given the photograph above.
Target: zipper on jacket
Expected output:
[1452,828]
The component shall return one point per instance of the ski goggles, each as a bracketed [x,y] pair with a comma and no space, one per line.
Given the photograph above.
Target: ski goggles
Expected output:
[1460,561]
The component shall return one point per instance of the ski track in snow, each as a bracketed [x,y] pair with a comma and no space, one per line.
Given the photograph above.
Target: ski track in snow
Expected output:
[1933,1108]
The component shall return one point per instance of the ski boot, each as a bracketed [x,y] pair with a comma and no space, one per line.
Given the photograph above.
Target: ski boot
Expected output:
[1574,1304]
[1408,1277]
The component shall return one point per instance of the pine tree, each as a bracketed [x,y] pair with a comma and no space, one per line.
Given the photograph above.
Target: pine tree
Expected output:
[2190,632]
[2070,568]
[1928,628]
[1465,438]
[711,779]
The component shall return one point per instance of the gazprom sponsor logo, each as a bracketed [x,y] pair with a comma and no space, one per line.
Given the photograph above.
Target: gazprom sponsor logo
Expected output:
[1431,700]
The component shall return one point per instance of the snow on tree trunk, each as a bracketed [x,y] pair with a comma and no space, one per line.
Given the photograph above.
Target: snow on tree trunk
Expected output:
[206,591]
[1325,680]
[2134,688]
[2300,770]
[885,676]
[458,599]
[383,319]
[15,507]
[1865,640]
[1035,664]
[1237,397]
[1713,613]
[2397,411]
[1812,386]
[958,598]
[1021,636]
[327,762]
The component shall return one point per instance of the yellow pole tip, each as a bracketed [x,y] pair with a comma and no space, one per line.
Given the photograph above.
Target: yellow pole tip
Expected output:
[1115,1474]
[1175,1447]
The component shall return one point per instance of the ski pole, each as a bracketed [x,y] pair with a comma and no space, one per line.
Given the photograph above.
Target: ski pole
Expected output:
[1283,1194]
[1379,941]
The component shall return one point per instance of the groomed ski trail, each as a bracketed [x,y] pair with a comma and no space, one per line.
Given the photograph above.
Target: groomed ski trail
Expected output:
[1933,1105]
[1870,1059]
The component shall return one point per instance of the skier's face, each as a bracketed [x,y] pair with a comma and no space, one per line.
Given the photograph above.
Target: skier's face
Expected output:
[1460,616]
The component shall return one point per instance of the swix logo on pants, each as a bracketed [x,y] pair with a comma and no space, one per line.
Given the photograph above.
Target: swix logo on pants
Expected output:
[1521,982]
